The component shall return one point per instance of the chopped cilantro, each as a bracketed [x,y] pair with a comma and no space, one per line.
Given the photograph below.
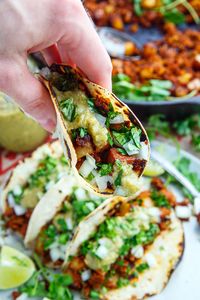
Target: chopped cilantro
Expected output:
[142,267]
[105,169]
[81,131]
[159,199]
[122,282]
[63,238]
[64,160]
[94,294]
[68,109]
[17,198]
[145,237]
[90,102]
[111,115]
[118,179]
[129,139]
[84,207]
[41,176]
[90,177]
[62,224]
[45,283]
[122,151]
[51,231]
[110,139]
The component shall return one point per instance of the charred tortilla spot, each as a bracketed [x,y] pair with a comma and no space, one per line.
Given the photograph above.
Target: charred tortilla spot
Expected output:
[139,165]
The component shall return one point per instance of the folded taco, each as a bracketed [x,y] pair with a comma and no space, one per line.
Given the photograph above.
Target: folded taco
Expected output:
[124,250]
[28,182]
[55,218]
[102,136]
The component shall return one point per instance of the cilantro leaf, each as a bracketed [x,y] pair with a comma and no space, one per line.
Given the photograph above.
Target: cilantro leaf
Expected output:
[118,179]
[105,169]
[159,199]
[69,109]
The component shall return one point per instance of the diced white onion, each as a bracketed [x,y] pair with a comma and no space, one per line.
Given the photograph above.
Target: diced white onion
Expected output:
[183,212]
[143,216]
[63,248]
[103,241]
[86,275]
[11,200]
[19,210]
[87,166]
[80,194]
[101,119]
[102,252]
[90,205]
[154,212]
[55,254]
[102,181]
[69,223]
[137,251]
[144,151]
[91,160]
[151,260]
[54,245]
[197,205]
[117,120]
[130,148]
[120,191]
[17,190]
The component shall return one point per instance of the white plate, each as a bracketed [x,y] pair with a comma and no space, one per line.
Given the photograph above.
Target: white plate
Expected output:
[185,280]
[184,283]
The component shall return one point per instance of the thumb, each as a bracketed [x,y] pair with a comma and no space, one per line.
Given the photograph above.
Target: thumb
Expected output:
[27,91]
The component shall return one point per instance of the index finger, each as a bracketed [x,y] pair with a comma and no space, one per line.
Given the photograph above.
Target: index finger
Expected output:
[82,46]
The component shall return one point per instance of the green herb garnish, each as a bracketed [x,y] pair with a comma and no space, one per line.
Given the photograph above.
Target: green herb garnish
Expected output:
[82,132]
[45,283]
[68,109]
[105,169]
[142,267]
[122,282]
[118,179]
[159,199]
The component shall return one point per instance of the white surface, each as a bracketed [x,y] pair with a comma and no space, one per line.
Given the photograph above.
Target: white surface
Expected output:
[185,281]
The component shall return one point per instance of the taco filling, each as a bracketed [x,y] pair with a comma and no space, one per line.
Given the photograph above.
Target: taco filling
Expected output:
[52,242]
[22,199]
[110,148]
[120,251]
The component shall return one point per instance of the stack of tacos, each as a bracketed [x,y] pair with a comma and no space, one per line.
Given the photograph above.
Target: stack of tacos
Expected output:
[112,246]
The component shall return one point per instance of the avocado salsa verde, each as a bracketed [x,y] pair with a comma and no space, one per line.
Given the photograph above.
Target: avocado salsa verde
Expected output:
[111,150]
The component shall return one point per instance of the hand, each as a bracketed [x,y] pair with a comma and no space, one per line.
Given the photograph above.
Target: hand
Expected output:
[29,26]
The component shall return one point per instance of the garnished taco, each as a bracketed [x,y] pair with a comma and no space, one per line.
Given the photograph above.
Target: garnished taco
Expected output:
[29,181]
[56,217]
[124,250]
[103,138]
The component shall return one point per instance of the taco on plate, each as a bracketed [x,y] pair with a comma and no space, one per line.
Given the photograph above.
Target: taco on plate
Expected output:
[124,250]
[55,218]
[29,181]
[103,138]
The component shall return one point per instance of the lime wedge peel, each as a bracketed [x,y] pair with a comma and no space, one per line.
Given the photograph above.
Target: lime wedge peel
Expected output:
[15,268]
[153,169]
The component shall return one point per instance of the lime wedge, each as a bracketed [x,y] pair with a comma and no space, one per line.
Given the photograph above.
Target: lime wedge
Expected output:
[153,169]
[15,268]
